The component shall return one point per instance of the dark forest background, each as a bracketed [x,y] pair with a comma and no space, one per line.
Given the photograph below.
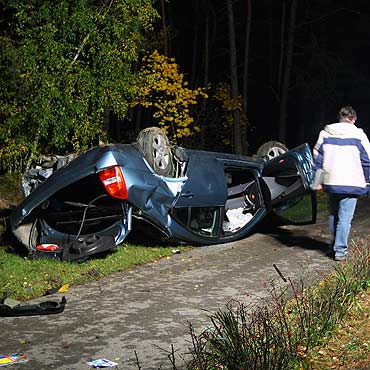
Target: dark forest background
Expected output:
[304,59]
[222,75]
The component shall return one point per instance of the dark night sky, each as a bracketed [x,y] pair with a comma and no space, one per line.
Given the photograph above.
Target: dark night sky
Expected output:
[330,63]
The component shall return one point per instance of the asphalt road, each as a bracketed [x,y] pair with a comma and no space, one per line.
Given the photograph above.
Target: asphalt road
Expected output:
[148,309]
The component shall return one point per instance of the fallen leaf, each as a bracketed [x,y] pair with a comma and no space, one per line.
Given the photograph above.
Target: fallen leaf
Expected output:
[64,288]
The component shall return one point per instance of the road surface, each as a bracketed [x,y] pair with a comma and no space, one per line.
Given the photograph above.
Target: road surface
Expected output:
[148,308]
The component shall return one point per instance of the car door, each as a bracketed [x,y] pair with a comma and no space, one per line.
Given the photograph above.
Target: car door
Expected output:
[221,200]
[199,205]
[288,178]
[206,185]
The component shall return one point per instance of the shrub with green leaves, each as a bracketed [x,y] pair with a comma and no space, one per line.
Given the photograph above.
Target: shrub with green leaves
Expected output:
[64,66]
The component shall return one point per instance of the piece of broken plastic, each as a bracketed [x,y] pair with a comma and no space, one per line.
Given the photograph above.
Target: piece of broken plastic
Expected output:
[47,247]
[14,358]
[43,308]
[102,363]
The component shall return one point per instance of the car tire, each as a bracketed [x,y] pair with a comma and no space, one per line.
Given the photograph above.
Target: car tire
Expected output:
[157,150]
[271,149]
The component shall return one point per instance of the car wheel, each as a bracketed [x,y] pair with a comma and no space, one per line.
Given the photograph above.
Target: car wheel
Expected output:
[271,149]
[157,150]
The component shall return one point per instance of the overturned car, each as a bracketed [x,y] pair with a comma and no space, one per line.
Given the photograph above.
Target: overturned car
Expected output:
[75,207]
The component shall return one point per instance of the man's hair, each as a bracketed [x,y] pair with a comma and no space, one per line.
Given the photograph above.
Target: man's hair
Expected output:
[347,112]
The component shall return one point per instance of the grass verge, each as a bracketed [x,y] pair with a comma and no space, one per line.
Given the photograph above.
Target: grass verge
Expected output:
[349,346]
[288,331]
[27,278]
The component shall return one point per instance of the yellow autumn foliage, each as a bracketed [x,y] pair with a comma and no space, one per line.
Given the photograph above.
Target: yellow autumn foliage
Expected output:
[229,104]
[163,88]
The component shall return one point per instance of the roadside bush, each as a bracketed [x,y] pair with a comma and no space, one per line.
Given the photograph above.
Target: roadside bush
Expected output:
[279,333]
[64,67]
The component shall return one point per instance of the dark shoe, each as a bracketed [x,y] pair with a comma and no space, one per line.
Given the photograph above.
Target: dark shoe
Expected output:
[340,258]
[330,253]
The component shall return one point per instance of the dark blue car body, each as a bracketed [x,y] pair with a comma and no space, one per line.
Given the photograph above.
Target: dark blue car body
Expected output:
[95,201]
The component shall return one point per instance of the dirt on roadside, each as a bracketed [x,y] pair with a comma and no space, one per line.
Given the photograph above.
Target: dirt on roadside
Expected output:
[10,191]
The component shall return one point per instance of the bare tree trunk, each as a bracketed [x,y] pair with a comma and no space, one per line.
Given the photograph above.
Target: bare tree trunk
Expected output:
[107,122]
[287,72]
[164,28]
[246,67]
[246,55]
[194,62]
[238,147]
[206,53]
[282,48]
[205,80]
[138,119]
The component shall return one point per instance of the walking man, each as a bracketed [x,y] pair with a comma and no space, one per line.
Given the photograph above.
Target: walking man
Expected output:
[342,155]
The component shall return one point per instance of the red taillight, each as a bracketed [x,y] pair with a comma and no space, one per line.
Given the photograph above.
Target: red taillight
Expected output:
[114,183]
[47,247]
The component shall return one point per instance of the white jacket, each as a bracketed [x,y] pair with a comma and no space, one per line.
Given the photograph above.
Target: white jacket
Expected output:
[342,151]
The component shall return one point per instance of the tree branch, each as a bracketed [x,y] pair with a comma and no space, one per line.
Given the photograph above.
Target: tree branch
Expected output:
[88,36]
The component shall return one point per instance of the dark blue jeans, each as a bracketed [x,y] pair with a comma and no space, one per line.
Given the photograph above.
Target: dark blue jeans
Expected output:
[342,208]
